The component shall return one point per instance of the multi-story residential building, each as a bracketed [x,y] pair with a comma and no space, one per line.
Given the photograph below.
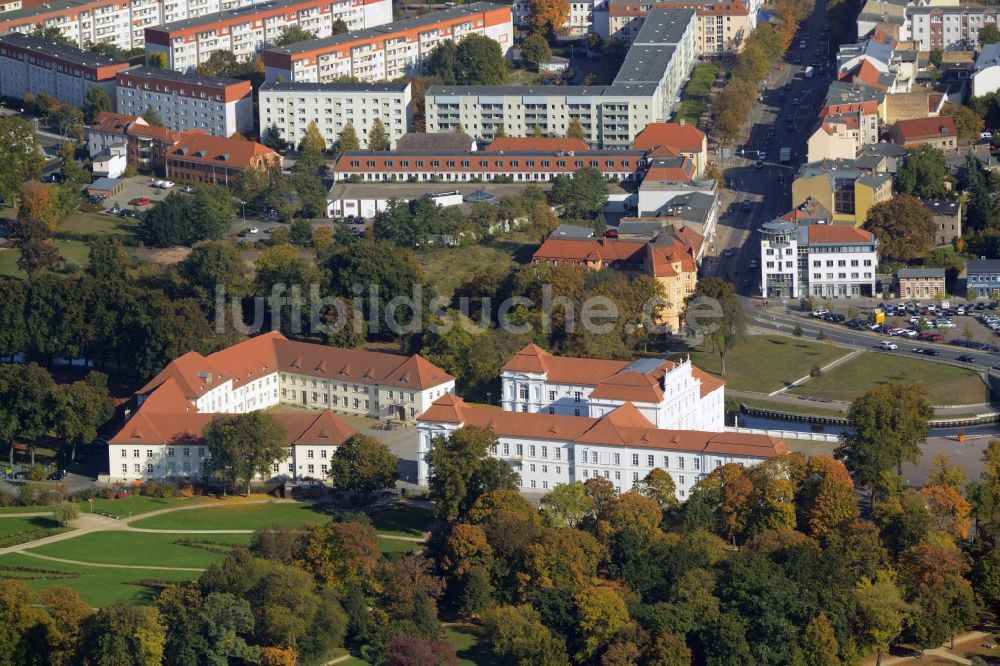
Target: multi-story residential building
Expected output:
[261,373]
[579,22]
[854,98]
[291,106]
[670,258]
[389,52]
[875,63]
[622,445]
[247,30]
[820,260]
[146,146]
[947,220]
[886,16]
[918,283]
[675,140]
[946,28]
[721,26]
[644,91]
[458,166]
[983,277]
[200,158]
[937,132]
[836,137]
[187,101]
[36,66]
[842,188]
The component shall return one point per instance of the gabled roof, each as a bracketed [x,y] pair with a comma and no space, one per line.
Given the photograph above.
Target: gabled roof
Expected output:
[624,426]
[678,137]
[553,143]
[563,369]
[250,359]
[219,151]
[108,121]
[917,129]
[194,375]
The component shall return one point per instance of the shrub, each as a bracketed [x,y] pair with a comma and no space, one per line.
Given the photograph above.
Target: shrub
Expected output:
[815,371]
[27,495]
[6,499]
[36,473]
[47,497]
[65,512]
[187,490]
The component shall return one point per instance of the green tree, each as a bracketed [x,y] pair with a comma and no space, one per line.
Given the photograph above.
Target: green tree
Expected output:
[819,644]
[602,615]
[660,486]
[74,177]
[968,123]
[210,211]
[378,137]
[348,139]
[339,27]
[904,227]
[443,62]
[124,635]
[943,473]
[51,33]
[923,173]
[221,62]
[462,471]
[519,637]
[535,48]
[575,130]
[212,264]
[292,34]
[889,424]
[157,60]
[33,241]
[882,614]
[151,116]
[301,232]
[585,193]
[108,260]
[989,34]
[714,312]
[480,61]
[273,138]
[82,408]
[64,512]
[69,120]
[312,140]
[363,465]
[243,446]
[95,101]
[566,505]
[21,155]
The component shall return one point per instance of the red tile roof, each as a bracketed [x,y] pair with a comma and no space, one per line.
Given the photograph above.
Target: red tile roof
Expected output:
[829,233]
[219,151]
[679,138]
[546,143]
[656,259]
[624,426]
[917,129]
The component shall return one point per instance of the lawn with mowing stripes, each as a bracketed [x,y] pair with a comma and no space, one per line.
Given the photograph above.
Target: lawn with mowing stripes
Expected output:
[25,509]
[235,517]
[143,548]
[398,546]
[97,586]
[10,526]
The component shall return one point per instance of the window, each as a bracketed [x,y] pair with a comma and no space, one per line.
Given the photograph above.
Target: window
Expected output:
[593,457]
[635,459]
[125,468]
[149,468]
[506,449]
[618,459]
[309,454]
[311,468]
[680,463]
[576,412]
[124,453]
[697,463]
[650,462]
[149,453]
[275,468]
[531,450]
[666,461]
[519,449]
[187,452]
[135,453]
[577,396]
[585,475]
[545,452]
[552,395]
[680,480]
[558,453]
[138,468]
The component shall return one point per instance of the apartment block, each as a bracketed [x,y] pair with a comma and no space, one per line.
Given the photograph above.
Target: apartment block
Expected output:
[844,189]
[721,26]
[387,52]
[954,28]
[644,91]
[581,19]
[247,30]
[199,158]
[218,106]
[118,22]
[291,106]
[36,66]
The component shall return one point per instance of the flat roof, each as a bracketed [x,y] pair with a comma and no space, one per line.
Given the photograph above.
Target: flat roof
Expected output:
[36,10]
[645,64]
[664,26]
[306,86]
[54,49]
[236,12]
[621,89]
[180,77]
[388,28]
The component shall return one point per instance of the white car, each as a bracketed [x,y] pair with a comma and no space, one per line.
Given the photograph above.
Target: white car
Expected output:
[885,345]
[910,333]
[820,312]
[254,230]
[944,324]
[166,184]
[157,182]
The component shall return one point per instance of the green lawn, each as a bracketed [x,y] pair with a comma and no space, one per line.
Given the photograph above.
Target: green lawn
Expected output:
[399,546]
[235,517]
[137,504]
[472,648]
[16,525]
[25,509]
[765,363]
[945,384]
[403,521]
[98,586]
[70,251]
[97,224]
[143,548]
[446,268]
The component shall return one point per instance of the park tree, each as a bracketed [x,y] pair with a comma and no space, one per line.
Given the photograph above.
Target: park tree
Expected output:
[292,34]
[479,60]
[535,48]
[826,501]
[943,473]
[123,634]
[547,17]
[243,446]
[378,137]
[518,636]
[67,613]
[602,615]
[69,120]
[904,520]
[20,154]
[566,505]
[348,139]
[73,175]
[819,643]
[923,173]
[968,124]
[462,471]
[882,614]
[904,227]
[32,239]
[20,618]
[312,141]
[890,422]
[210,210]
[341,554]
[64,512]
[94,102]
[363,465]
[39,203]
[949,509]
[561,558]
[582,194]
[212,264]
[714,312]
[82,408]
[658,485]
[989,34]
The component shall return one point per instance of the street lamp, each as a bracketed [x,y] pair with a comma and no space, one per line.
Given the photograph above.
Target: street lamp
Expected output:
[243,206]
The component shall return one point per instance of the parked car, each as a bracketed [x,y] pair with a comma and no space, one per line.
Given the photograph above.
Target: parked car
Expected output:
[254,230]
[139,201]
[931,337]
[967,358]
[58,476]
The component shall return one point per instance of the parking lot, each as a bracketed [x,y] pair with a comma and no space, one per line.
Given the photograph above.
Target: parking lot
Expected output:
[139,187]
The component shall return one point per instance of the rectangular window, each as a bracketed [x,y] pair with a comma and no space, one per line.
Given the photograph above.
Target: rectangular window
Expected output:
[593,457]
[650,462]
[519,449]
[545,452]
[618,459]
[577,396]
[697,463]
[635,459]
[666,462]
[552,395]
[680,463]
[531,450]
[311,468]
[558,453]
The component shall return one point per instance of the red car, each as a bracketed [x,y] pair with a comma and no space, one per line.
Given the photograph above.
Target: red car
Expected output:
[141,201]
[931,337]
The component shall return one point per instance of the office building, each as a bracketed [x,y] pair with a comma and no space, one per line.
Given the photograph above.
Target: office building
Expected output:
[212,160]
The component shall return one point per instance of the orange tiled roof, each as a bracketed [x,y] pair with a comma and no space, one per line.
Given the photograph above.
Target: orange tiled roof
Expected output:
[546,143]
[108,121]
[829,233]
[925,128]
[624,426]
[563,369]
[218,150]
[678,138]
[656,259]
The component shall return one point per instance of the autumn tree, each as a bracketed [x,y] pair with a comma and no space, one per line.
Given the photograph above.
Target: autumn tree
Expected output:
[943,473]
[37,202]
[312,141]
[378,137]
[819,643]
[882,614]
[950,510]
[462,470]
[575,130]
[20,154]
[244,446]
[547,17]
[561,557]
[826,500]
[124,634]
[518,636]
[602,615]
[363,465]
[904,227]
[348,139]
[968,124]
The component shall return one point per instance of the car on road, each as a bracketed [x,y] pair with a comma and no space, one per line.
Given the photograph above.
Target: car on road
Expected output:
[931,352]
[909,333]
[58,476]
[728,252]
[254,230]
[931,337]
[967,358]
[746,206]
[819,312]
[759,164]
[885,345]
[753,263]
[795,101]
[139,201]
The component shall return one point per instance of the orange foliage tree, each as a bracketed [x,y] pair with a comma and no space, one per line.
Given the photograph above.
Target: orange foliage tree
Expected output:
[826,497]
[547,16]
[37,202]
[949,508]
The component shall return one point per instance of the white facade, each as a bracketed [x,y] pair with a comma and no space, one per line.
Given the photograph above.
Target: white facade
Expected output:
[986,72]
[220,107]
[110,163]
[579,22]
[332,106]
[946,28]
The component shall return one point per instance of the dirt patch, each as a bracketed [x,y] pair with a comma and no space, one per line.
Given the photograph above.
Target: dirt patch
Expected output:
[163,257]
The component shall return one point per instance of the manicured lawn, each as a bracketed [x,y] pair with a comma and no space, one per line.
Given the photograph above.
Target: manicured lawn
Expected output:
[446,268]
[70,251]
[399,546]
[945,384]
[403,521]
[143,548]
[235,517]
[97,586]
[765,363]
[136,504]
[17,525]
[25,509]
[97,223]
[472,648]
